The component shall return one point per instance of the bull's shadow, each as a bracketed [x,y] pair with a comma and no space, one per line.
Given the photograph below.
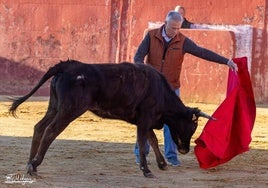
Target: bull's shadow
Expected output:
[70,162]
[76,163]
[17,78]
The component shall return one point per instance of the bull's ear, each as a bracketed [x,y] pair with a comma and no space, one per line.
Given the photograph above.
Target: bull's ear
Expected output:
[192,113]
[195,116]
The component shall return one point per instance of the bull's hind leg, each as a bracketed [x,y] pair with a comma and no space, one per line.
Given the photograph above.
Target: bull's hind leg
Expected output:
[37,136]
[154,143]
[40,127]
[59,123]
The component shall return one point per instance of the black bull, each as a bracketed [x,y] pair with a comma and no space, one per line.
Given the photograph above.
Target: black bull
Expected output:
[135,93]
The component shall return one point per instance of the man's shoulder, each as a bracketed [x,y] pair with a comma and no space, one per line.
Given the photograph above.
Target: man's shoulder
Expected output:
[154,30]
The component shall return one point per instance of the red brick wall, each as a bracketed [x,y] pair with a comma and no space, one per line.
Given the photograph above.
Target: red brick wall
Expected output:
[37,34]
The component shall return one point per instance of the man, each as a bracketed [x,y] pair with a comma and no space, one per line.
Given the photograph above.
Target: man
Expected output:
[165,48]
[185,24]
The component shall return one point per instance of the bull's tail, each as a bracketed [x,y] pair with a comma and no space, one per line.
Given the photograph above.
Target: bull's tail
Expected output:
[18,101]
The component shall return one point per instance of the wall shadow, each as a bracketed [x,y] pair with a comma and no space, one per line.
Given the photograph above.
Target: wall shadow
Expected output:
[17,78]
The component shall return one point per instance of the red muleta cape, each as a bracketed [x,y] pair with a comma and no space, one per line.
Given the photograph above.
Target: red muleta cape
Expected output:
[230,134]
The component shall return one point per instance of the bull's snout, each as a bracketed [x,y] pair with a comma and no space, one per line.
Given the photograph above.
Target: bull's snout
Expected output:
[183,151]
[181,147]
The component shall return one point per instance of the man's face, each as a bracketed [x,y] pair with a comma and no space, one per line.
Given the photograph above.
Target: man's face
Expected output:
[172,28]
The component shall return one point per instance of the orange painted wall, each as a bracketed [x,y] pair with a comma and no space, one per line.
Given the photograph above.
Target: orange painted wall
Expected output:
[37,34]
[201,80]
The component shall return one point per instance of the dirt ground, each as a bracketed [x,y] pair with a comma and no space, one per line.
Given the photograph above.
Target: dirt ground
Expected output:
[96,152]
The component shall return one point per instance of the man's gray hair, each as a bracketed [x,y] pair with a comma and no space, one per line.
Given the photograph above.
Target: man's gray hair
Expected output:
[175,16]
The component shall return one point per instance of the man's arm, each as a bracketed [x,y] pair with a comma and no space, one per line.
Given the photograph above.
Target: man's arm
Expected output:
[143,50]
[190,47]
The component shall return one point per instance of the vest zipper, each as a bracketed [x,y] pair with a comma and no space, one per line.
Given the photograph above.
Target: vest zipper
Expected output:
[166,44]
[162,65]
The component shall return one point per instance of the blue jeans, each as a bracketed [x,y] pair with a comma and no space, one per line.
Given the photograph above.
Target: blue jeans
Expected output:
[170,148]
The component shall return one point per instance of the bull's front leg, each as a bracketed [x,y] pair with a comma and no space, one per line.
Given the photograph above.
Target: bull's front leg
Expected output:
[159,157]
[141,134]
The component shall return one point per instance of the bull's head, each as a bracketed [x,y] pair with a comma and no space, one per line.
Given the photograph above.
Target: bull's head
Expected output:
[185,127]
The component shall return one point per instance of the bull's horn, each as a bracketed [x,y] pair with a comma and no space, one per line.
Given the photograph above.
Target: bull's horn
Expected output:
[202,114]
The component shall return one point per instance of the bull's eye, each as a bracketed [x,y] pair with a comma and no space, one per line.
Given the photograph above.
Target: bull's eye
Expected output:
[195,126]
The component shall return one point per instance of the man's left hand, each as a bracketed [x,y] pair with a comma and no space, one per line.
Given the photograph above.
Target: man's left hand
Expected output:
[232,65]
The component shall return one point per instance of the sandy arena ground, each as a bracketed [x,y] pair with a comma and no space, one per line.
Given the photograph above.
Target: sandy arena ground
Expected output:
[96,152]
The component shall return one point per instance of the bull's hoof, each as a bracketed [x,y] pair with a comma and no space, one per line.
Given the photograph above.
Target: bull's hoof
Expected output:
[149,175]
[163,165]
[31,170]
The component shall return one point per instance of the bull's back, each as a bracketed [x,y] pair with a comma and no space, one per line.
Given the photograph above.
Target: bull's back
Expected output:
[122,89]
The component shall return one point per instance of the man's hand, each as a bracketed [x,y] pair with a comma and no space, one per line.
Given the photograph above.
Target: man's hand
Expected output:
[232,65]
